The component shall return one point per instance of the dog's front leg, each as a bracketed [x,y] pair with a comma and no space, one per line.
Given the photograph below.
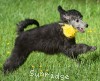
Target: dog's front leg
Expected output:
[17,58]
[77,49]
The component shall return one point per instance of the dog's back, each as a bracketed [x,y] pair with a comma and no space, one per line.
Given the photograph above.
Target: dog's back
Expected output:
[44,38]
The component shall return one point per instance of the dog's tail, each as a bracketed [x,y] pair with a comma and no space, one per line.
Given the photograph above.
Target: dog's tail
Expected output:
[23,24]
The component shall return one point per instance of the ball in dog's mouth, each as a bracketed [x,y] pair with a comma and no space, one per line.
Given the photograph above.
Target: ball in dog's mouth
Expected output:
[80,29]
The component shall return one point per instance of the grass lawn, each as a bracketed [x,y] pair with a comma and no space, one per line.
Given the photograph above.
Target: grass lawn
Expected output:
[42,67]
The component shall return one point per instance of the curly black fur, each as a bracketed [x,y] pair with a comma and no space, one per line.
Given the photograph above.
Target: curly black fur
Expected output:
[48,38]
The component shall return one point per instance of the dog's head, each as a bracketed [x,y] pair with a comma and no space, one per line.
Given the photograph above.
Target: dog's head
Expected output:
[74,18]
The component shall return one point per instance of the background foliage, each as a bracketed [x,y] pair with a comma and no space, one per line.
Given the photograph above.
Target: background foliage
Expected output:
[45,11]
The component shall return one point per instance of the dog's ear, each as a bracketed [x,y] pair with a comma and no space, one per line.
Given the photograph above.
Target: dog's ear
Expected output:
[66,17]
[63,14]
[61,10]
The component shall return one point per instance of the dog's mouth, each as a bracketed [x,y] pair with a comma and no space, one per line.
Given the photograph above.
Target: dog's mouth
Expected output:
[82,30]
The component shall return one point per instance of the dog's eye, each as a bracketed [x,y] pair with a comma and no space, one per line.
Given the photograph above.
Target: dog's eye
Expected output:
[77,20]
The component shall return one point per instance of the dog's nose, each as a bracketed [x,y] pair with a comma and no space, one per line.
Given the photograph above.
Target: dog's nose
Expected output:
[87,25]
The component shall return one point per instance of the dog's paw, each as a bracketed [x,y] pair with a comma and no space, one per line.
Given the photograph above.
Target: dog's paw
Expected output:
[93,48]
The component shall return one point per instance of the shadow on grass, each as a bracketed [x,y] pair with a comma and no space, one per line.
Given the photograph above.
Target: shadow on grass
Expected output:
[89,58]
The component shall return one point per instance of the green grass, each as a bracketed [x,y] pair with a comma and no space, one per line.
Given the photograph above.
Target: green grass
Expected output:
[45,11]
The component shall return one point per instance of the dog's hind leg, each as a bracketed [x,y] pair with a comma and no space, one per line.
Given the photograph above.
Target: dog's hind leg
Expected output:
[17,58]
[77,49]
